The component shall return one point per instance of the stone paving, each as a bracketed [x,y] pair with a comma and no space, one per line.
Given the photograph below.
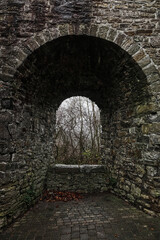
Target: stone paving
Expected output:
[102,216]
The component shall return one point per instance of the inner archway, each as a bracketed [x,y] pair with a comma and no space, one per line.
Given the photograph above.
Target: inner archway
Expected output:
[78,132]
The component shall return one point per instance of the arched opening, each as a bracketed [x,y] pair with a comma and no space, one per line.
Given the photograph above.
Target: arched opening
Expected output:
[78,131]
[80,66]
[101,71]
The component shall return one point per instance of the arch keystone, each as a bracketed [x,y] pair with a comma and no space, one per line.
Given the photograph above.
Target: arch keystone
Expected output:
[93,30]
[71,29]
[102,31]
[82,30]
[63,29]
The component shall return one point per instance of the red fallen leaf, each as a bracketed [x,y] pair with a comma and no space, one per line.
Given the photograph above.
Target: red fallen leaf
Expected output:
[52,196]
[116,235]
[57,206]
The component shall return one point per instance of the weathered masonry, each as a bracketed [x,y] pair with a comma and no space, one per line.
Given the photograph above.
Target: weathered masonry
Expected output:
[108,51]
[78,178]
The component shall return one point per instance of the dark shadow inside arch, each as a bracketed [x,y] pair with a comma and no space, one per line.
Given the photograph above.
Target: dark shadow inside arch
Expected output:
[85,66]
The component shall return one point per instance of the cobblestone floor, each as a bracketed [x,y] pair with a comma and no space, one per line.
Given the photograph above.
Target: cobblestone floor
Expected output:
[101,216]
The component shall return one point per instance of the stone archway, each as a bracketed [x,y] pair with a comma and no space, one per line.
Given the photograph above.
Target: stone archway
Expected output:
[138,133]
[19,53]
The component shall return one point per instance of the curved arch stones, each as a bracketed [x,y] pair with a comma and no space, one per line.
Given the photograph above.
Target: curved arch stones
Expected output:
[21,52]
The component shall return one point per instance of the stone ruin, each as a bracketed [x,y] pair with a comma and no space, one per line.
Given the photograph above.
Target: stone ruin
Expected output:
[108,51]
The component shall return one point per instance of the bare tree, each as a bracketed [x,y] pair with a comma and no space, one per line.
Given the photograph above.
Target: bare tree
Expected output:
[78,131]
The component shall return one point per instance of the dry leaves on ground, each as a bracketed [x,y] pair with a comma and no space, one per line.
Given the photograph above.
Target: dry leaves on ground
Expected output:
[54,196]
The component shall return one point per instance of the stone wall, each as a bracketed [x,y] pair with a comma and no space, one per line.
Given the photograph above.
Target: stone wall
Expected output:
[75,178]
[25,160]
[21,20]
[124,82]
[132,157]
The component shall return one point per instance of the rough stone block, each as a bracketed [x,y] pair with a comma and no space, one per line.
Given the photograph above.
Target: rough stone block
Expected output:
[144,61]
[5,158]
[32,45]
[119,39]
[102,31]
[136,191]
[155,192]
[140,170]
[40,39]
[4,134]
[63,29]
[5,118]
[139,55]
[146,108]
[93,30]
[155,42]
[151,69]
[151,171]
[153,77]
[3,166]
[7,103]
[133,49]
[111,34]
